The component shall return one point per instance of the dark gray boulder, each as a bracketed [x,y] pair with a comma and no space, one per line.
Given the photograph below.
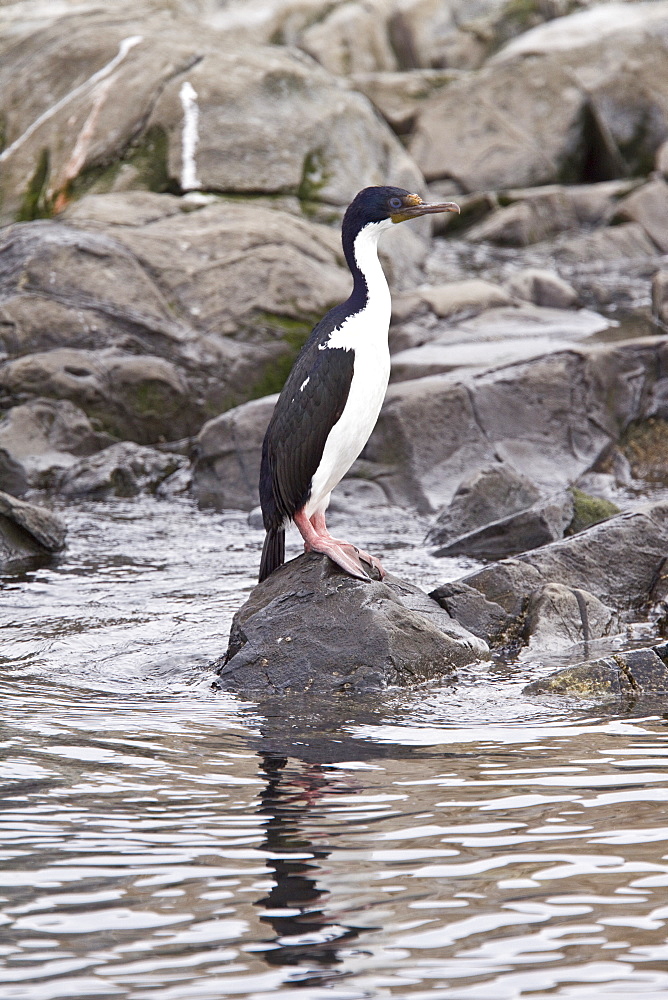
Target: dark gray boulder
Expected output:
[618,561]
[310,627]
[629,675]
[122,470]
[540,524]
[27,532]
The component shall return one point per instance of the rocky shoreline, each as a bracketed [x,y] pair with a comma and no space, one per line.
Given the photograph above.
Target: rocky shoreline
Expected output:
[170,196]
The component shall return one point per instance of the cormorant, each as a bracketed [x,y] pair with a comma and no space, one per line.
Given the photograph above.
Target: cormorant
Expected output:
[332,397]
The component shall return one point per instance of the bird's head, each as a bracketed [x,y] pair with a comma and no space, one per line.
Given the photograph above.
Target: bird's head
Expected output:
[390,204]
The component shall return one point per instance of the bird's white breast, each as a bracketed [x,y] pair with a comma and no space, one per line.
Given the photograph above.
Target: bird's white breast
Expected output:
[365,332]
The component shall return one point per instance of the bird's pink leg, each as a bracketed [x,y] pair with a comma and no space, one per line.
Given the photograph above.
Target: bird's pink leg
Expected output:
[320,525]
[344,555]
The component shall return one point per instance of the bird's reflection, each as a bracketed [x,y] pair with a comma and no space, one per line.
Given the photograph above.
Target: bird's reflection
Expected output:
[295,905]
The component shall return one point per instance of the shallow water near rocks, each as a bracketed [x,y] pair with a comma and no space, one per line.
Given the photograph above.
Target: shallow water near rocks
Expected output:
[161,840]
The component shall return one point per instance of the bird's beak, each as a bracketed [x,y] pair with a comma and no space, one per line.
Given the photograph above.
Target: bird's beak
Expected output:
[416,208]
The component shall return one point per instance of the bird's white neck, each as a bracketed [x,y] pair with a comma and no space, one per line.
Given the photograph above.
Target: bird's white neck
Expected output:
[365,250]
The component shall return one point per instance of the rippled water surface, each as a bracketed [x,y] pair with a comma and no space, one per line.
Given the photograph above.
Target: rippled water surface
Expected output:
[163,841]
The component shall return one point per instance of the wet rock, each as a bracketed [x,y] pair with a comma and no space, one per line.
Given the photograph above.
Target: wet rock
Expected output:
[228,449]
[46,435]
[309,627]
[648,206]
[27,531]
[633,674]
[558,617]
[543,288]
[122,470]
[617,561]
[12,475]
[486,496]
[540,524]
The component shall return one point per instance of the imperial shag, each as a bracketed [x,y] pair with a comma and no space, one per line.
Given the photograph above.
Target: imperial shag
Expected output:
[332,397]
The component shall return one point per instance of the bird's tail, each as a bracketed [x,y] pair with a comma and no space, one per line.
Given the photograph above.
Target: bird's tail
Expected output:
[273,552]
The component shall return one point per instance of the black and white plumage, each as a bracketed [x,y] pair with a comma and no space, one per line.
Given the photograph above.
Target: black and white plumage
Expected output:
[331,399]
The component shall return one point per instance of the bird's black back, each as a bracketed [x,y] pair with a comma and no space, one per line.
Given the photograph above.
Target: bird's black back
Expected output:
[302,419]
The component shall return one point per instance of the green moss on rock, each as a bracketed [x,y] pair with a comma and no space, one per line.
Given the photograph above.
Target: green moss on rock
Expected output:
[588,510]
[35,204]
[314,178]
[293,333]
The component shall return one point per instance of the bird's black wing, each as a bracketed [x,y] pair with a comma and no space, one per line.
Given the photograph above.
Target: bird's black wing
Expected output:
[310,404]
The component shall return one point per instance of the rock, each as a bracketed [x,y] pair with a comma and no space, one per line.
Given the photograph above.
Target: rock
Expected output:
[617,561]
[351,38]
[155,102]
[152,328]
[633,674]
[12,475]
[309,627]
[648,206]
[510,335]
[27,531]
[606,22]
[399,96]
[526,222]
[645,445]
[558,617]
[471,295]
[462,132]
[580,99]
[123,470]
[550,418]
[614,243]
[143,397]
[459,33]
[661,161]
[46,435]
[543,288]
[588,510]
[228,449]
[486,496]
[522,216]
[540,524]
[660,296]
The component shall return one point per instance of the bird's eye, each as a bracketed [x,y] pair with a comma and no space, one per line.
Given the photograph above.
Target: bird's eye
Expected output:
[395,202]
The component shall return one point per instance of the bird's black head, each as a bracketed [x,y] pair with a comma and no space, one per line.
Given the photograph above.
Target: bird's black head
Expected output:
[388,204]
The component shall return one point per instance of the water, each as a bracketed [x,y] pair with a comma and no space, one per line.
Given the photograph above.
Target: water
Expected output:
[160,840]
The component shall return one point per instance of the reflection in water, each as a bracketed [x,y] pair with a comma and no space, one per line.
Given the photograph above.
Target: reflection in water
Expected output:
[293,907]
[159,842]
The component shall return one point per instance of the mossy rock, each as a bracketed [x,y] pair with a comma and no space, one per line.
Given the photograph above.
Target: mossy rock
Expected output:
[588,510]
[645,445]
